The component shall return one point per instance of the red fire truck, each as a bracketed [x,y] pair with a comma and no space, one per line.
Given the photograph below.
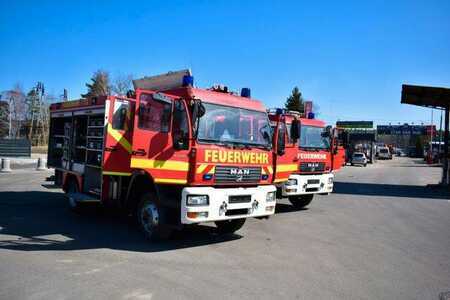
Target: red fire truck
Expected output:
[306,154]
[170,154]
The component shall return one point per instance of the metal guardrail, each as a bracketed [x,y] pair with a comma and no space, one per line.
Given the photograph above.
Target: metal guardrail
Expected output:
[15,148]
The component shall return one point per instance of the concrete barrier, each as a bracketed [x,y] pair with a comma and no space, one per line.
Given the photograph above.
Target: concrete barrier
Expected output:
[40,164]
[6,165]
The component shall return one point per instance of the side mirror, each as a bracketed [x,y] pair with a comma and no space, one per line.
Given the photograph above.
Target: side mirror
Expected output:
[281,146]
[295,130]
[198,110]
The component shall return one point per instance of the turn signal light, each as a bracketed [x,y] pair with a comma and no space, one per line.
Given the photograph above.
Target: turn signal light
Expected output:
[194,215]
[270,208]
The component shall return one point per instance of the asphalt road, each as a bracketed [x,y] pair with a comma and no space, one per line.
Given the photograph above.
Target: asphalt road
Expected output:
[382,235]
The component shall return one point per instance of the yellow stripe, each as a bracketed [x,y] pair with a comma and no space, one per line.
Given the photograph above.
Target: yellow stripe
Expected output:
[119,138]
[286,168]
[280,179]
[168,180]
[213,169]
[116,173]
[269,168]
[171,165]
[201,168]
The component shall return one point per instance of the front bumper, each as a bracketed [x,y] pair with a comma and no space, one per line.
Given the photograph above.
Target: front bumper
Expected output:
[307,184]
[220,208]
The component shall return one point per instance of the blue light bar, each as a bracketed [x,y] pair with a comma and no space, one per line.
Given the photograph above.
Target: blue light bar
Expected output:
[280,111]
[246,92]
[188,80]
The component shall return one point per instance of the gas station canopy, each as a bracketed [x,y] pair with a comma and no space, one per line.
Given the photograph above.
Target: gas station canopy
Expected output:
[435,97]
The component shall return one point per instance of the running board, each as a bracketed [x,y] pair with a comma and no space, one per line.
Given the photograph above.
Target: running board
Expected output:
[83,198]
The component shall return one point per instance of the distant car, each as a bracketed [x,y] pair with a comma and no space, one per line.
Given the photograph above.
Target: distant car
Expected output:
[384,153]
[401,153]
[359,158]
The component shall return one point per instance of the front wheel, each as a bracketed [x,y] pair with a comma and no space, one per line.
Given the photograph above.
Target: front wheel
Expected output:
[301,201]
[151,218]
[229,226]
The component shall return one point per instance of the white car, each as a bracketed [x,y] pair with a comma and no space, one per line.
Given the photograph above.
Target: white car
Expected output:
[384,153]
[359,158]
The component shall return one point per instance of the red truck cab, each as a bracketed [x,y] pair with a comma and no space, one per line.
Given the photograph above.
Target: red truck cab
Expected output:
[309,155]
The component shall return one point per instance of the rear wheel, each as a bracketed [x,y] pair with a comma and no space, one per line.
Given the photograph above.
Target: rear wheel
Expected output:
[301,201]
[229,226]
[151,218]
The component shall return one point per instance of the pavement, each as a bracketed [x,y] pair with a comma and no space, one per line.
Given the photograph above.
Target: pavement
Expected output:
[383,234]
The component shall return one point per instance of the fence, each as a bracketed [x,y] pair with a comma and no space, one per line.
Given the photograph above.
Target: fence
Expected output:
[15,147]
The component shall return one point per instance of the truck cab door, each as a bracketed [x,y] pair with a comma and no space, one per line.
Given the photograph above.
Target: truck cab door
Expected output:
[337,151]
[119,114]
[153,147]
[284,163]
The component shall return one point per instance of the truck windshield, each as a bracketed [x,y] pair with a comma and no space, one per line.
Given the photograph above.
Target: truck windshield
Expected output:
[233,125]
[311,137]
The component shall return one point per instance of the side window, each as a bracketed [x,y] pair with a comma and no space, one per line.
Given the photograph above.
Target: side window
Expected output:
[180,126]
[154,114]
[121,114]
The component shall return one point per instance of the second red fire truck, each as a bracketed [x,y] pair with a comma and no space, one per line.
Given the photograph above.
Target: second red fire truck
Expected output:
[306,154]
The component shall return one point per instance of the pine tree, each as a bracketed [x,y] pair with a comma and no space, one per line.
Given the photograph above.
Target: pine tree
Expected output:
[295,101]
[99,86]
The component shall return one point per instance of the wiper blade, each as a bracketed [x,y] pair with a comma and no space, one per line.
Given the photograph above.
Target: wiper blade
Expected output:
[216,142]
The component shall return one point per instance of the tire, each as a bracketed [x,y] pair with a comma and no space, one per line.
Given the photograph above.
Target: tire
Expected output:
[301,201]
[229,226]
[365,165]
[352,164]
[151,218]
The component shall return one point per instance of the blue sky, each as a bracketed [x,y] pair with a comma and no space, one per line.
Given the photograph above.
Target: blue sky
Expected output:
[349,57]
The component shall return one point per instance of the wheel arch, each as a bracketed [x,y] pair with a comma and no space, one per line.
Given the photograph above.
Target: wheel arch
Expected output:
[140,182]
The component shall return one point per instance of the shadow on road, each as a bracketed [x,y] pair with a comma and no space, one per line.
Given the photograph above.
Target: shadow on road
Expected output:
[287,208]
[391,190]
[41,221]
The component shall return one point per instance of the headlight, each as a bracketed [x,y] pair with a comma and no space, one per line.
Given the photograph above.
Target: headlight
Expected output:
[270,197]
[197,200]
[330,180]
[291,182]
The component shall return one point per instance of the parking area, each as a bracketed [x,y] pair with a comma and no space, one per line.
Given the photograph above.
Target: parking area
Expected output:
[382,234]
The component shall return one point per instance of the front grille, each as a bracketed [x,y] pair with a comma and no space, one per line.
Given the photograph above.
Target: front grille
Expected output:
[240,199]
[312,167]
[313,181]
[230,174]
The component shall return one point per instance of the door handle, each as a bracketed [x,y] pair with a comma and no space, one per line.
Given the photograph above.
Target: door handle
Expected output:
[111,149]
[139,152]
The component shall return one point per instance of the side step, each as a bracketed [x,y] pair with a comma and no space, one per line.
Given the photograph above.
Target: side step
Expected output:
[82,198]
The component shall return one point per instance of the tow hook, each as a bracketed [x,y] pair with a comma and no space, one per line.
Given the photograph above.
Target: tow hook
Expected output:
[255,205]
[223,208]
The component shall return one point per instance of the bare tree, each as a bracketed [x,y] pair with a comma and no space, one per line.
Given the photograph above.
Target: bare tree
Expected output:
[122,84]
[17,110]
